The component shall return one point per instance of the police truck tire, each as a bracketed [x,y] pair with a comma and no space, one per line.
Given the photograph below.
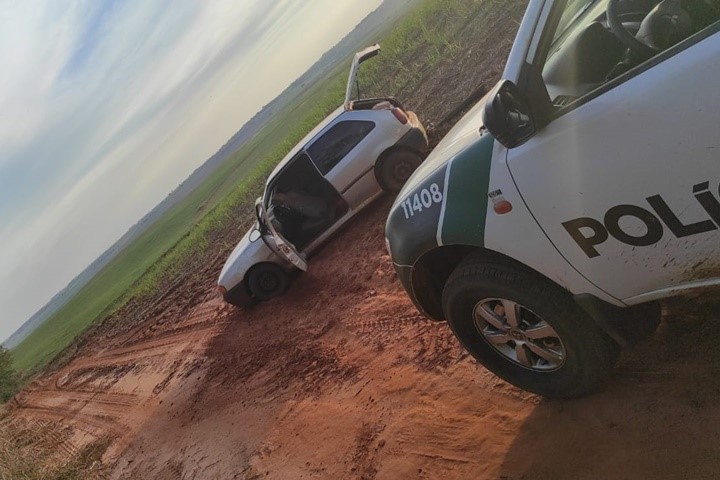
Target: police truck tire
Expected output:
[394,169]
[267,280]
[526,329]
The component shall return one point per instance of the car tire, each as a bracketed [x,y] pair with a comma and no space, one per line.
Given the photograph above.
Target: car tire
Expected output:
[547,346]
[394,169]
[267,280]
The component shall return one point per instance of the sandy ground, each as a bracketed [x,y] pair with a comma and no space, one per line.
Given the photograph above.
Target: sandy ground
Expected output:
[341,378]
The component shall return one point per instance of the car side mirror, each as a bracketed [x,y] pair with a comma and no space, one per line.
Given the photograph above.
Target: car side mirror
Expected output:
[507,115]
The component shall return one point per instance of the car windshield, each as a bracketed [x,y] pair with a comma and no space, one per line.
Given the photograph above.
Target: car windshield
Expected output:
[586,54]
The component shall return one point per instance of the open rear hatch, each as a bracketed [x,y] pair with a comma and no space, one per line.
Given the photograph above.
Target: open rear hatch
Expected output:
[360,57]
[365,103]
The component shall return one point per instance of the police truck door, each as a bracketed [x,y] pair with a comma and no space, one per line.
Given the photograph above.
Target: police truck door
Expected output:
[625,185]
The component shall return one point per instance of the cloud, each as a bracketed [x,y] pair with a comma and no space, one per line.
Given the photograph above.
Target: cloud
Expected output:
[107,105]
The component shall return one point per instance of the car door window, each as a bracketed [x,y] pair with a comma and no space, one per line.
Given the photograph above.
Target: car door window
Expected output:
[337,142]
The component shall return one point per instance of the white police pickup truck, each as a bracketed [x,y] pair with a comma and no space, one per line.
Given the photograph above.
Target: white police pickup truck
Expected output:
[546,225]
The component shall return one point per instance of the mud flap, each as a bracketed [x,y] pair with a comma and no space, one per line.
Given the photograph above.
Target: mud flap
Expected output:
[626,326]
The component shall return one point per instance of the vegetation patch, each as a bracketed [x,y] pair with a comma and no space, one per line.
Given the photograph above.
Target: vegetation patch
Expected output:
[9,381]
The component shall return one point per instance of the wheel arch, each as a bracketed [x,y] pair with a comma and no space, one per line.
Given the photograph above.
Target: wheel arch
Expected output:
[626,326]
[432,270]
[246,279]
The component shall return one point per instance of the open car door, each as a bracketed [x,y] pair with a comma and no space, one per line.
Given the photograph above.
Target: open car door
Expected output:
[352,79]
[281,246]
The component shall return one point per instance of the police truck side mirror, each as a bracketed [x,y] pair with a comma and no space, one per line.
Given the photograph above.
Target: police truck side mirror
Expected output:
[507,115]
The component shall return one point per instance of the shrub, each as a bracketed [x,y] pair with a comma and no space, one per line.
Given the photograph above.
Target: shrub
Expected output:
[9,382]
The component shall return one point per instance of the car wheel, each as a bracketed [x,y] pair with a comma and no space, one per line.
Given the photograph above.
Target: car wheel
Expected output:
[394,170]
[526,330]
[267,281]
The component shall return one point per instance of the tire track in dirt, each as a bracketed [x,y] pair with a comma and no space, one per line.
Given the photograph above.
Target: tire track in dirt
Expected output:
[51,436]
[200,317]
[119,400]
[111,391]
[134,351]
[94,425]
[427,344]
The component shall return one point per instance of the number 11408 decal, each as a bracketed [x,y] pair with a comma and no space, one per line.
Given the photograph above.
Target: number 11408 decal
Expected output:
[425,198]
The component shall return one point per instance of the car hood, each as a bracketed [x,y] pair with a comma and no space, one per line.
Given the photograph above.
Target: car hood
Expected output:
[465,131]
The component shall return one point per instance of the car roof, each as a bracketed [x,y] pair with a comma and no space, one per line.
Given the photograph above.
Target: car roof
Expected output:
[359,57]
[302,143]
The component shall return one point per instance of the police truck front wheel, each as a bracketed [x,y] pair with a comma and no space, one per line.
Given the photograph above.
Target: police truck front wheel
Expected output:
[526,330]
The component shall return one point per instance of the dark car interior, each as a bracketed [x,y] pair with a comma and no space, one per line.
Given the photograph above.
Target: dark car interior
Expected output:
[602,40]
[301,203]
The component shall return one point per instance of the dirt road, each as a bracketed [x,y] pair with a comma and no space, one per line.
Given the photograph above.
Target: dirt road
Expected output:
[341,378]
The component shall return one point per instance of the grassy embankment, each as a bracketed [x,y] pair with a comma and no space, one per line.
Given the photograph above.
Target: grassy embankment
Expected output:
[423,37]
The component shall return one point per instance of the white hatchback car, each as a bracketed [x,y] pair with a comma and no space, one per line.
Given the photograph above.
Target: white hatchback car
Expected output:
[363,148]
[546,225]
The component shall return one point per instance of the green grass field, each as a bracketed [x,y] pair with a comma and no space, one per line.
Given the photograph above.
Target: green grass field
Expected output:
[423,36]
[124,277]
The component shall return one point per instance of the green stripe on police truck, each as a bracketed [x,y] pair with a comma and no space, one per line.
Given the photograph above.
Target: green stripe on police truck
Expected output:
[466,195]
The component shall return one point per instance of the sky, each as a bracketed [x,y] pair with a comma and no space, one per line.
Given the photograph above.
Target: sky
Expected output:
[107,105]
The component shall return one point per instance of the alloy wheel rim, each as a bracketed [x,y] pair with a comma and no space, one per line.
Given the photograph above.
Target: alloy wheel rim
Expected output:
[519,335]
